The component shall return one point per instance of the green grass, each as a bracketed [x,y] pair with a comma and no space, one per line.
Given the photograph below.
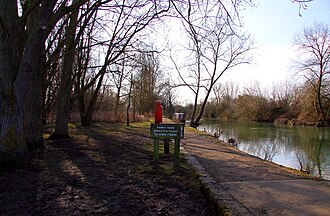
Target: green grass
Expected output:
[166,174]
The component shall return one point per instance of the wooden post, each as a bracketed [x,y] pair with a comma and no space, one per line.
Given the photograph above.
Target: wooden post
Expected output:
[167,132]
[156,153]
[177,154]
[166,146]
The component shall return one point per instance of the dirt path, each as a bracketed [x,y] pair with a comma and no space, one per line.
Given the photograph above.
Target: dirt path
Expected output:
[102,170]
[248,185]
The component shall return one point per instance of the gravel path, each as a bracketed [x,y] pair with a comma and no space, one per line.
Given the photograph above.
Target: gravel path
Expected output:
[248,185]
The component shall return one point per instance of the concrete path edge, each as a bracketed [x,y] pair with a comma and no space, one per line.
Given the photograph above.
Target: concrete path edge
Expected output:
[222,203]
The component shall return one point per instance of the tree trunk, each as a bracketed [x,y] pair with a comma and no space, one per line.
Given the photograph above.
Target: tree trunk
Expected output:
[63,103]
[12,146]
[82,109]
[200,115]
[33,125]
[129,100]
[91,105]
[319,100]
[16,73]
[134,109]
[193,122]
[117,117]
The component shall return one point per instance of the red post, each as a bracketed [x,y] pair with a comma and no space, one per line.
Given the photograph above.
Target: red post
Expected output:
[158,110]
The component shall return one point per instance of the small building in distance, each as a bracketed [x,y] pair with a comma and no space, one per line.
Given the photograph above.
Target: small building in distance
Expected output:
[179,117]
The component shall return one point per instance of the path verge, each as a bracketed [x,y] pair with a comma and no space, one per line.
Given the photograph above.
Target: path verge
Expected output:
[242,184]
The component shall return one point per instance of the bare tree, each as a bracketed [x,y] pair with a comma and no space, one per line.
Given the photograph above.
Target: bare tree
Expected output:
[122,23]
[169,97]
[224,96]
[145,80]
[129,101]
[314,65]
[62,114]
[33,104]
[21,49]
[74,34]
[121,79]
[51,78]
[216,46]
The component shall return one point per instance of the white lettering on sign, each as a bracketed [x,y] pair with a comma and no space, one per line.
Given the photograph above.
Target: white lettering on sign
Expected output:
[166,130]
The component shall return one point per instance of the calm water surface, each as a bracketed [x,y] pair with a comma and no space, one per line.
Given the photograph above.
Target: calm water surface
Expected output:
[298,147]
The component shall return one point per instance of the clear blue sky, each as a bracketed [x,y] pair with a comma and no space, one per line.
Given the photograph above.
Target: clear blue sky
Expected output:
[273,25]
[276,21]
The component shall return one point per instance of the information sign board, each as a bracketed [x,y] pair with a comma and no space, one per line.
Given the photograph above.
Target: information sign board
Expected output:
[167,131]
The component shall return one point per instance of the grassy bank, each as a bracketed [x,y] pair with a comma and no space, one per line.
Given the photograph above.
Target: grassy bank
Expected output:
[105,169]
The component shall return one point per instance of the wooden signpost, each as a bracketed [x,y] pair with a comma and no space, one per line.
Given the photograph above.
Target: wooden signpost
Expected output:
[165,132]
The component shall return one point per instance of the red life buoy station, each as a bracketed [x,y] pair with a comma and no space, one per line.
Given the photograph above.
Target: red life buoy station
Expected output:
[158,110]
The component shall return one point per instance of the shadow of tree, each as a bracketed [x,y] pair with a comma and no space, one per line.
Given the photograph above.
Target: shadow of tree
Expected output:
[102,170]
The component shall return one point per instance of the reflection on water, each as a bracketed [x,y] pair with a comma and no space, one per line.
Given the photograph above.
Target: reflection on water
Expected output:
[302,148]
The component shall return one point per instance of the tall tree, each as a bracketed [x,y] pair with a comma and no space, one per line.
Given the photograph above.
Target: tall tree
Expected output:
[129,101]
[314,65]
[73,35]
[63,101]
[121,73]
[146,82]
[124,22]
[216,45]
[19,57]
[33,108]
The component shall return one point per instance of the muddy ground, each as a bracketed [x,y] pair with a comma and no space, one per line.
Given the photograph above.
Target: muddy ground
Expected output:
[102,170]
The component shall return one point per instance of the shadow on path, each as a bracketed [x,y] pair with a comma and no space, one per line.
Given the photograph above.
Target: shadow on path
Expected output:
[102,170]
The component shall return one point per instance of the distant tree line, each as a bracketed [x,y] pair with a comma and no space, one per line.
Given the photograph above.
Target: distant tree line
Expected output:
[66,59]
[285,103]
[306,103]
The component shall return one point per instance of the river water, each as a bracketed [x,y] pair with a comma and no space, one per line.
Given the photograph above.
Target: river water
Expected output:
[298,147]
